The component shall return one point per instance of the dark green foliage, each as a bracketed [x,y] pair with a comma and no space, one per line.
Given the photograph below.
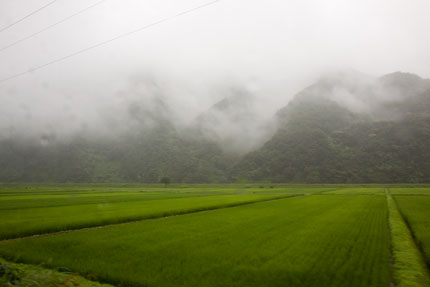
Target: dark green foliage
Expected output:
[9,274]
[165,180]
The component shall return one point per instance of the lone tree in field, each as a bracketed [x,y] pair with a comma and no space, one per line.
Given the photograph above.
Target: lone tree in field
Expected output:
[165,180]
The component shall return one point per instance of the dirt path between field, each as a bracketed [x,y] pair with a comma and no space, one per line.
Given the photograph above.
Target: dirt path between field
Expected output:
[153,218]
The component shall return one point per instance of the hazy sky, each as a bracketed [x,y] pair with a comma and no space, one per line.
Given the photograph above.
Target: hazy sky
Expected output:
[273,48]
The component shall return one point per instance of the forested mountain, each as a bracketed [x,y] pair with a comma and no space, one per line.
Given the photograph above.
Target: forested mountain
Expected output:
[320,138]
[347,127]
[142,157]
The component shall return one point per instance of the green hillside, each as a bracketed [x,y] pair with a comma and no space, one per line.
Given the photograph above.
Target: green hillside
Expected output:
[321,141]
[343,129]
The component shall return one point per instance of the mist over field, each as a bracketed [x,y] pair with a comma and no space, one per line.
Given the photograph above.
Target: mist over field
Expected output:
[217,77]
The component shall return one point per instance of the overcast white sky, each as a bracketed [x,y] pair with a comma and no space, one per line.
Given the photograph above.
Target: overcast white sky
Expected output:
[274,48]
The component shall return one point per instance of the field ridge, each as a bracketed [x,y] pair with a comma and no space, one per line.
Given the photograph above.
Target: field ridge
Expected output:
[409,267]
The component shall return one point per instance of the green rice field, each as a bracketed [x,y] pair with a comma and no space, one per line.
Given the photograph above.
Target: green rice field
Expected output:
[219,235]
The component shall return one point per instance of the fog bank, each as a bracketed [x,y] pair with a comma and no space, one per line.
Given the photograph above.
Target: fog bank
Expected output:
[180,69]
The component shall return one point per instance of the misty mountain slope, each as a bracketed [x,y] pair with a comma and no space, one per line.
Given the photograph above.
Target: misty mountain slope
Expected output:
[144,156]
[143,144]
[319,140]
[235,123]
[347,127]
[387,151]
[79,160]
[384,98]
[302,150]
[164,152]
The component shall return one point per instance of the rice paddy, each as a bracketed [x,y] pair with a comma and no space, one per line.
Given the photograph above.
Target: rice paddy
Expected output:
[221,235]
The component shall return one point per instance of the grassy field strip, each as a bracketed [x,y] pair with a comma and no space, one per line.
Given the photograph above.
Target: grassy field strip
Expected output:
[409,265]
[63,194]
[324,241]
[94,188]
[327,190]
[55,196]
[63,199]
[58,194]
[416,212]
[32,221]
[147,219]
[35,202]
[357,191]
[35,188]
[410,191]
[422,195]
[25,275]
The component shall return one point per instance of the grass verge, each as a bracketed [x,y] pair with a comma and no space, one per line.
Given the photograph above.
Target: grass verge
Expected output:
[409,267]
[25,275]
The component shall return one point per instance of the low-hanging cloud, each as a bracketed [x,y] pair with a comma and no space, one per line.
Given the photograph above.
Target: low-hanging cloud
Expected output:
[179,69]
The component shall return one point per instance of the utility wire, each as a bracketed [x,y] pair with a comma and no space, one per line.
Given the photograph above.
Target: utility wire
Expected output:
[108,41]
[51,26]
[26,16]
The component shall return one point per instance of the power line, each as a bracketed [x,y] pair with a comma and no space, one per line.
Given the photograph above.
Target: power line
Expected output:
[108,41]
[26,16]
[51,26]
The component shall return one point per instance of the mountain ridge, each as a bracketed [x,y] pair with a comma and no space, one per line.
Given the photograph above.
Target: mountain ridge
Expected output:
[346,127]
